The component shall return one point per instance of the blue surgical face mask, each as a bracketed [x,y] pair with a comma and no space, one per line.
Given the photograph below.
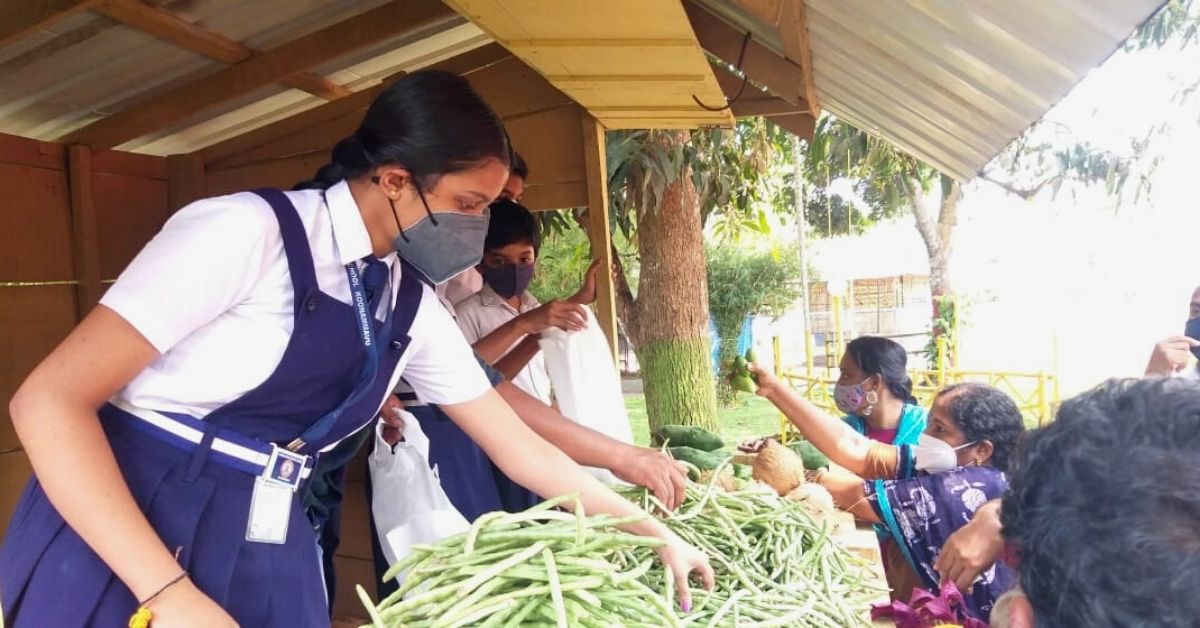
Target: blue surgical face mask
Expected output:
[441,245]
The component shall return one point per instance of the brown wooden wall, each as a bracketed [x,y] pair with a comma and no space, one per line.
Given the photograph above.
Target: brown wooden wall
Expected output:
[69,221]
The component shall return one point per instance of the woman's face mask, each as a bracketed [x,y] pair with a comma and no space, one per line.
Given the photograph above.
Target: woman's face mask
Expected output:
[855,399]
[441,245]
[934,455]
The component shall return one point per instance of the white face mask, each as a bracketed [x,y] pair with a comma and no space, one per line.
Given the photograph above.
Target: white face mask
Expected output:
[934,455]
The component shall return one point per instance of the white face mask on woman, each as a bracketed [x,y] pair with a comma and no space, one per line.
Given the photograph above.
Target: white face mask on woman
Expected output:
[934,455]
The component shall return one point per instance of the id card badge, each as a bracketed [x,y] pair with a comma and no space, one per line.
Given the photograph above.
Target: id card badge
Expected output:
[270,511]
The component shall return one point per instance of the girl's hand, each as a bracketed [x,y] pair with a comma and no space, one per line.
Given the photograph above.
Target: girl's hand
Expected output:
[183,605]
[683,559]
[393,422]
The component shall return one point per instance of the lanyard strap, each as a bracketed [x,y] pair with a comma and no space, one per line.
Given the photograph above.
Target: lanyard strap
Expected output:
[365,321]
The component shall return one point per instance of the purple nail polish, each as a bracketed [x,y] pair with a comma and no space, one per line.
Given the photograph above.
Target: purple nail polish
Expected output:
[687,607]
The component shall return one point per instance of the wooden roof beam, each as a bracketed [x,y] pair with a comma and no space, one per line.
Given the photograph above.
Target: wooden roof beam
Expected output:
[784,78]
[753,101]
[793,32]
[20,18]
[169,27]
[368,28]
[463,64]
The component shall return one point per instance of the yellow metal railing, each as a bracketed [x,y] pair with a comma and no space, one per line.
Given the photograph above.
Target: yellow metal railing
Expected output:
[1036,394]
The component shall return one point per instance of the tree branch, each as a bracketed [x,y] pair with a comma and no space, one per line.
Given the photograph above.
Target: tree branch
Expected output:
[926,222]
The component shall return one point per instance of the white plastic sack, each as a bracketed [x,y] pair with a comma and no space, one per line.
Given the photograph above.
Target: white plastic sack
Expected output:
[407,500]
[586,383]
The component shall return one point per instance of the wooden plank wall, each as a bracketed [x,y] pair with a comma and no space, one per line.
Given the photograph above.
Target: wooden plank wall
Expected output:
[71,220]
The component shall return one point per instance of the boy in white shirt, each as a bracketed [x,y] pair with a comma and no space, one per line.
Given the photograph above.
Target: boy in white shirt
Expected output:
[502,320]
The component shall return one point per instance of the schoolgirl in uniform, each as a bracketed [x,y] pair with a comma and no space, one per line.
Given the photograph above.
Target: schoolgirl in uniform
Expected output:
[171,432]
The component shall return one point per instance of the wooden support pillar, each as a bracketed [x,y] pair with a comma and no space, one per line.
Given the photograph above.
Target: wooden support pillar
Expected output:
[85,241]
[185,180]
[596,171]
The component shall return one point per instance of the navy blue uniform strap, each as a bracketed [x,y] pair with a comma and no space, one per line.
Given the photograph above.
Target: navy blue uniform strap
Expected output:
[295,244]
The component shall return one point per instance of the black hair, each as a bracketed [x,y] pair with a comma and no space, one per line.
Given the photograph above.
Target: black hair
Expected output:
[431,123]
[1103,508]
[984,412]
[511,223]
[518,168]
[885,358]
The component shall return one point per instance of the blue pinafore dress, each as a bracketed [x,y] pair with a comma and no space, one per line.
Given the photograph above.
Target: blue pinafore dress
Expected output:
[196,496]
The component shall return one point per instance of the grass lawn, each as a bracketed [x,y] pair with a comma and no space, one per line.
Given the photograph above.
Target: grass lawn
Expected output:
[752,417]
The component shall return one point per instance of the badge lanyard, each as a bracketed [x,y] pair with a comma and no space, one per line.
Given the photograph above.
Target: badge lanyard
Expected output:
[365,321]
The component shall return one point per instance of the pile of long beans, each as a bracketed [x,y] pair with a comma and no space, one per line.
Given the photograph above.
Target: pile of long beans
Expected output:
[775,564]
[539,567]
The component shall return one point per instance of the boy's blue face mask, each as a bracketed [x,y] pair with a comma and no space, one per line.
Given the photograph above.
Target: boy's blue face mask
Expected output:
[1192,330]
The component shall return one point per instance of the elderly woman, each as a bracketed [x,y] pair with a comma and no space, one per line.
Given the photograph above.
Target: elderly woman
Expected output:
[921,493]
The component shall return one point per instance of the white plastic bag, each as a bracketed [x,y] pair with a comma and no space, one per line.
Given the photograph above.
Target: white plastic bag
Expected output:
[586,383]
[407,500]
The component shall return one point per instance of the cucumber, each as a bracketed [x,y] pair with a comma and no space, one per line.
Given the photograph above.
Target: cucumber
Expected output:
[813,458]
[689,436]
[743,471]
[703,460]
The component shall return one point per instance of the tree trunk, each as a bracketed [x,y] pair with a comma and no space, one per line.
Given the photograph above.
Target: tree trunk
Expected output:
[670,317]
[938,234]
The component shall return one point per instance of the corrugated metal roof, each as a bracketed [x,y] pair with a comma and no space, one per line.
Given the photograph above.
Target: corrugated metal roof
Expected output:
[949,81]
[87,66]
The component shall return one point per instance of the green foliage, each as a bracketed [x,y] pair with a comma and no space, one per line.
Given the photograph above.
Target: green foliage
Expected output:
[731,169]
[944,324]
[741,283]
[565,255]
[1178,20]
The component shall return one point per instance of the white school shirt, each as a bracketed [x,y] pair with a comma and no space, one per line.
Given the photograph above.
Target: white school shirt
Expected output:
[481,313]
[213,294]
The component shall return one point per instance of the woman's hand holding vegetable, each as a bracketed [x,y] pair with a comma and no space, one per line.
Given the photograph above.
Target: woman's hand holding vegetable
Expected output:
[768,384]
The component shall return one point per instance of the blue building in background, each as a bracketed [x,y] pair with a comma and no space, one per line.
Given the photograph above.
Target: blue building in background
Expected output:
[745,341]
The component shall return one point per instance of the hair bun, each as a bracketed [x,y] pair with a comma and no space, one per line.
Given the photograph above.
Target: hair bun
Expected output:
[351,154]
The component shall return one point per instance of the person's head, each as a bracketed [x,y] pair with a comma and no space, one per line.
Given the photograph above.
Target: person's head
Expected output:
[427,146]
[984,421]
[1194,306]
[518,173]
[877,366]
[1103,510]
[510,249]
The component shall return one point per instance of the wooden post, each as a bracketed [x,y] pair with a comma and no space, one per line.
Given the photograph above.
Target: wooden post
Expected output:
[185,180]
[596,171]
[85,241]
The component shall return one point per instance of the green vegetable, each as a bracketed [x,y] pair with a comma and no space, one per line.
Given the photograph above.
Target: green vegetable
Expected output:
[813,458]
[743,471]
[750,357]
[740,377]
[689,436]
[703,460]
[743,383]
